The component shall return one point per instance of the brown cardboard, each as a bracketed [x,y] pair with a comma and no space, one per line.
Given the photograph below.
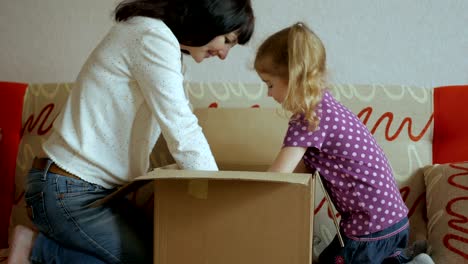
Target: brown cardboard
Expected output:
[243,137]
[235,217]
[238,214]
[230,216]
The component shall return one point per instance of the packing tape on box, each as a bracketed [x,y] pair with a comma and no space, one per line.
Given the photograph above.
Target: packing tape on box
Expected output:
[198,189]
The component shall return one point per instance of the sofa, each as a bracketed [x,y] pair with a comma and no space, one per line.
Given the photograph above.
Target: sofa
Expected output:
[422,130]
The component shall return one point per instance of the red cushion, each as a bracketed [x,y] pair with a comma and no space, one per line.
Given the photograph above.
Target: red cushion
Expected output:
[11,107]
[450,143]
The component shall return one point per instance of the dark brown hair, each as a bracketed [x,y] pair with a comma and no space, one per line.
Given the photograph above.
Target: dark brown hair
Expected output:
[195,22]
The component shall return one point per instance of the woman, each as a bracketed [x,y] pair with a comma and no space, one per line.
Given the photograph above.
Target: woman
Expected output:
[128,93]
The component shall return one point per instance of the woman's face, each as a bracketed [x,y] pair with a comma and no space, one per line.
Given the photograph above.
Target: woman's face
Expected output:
[219,46]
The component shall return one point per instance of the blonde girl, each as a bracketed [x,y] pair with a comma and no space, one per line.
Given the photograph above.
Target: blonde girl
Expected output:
[325,136]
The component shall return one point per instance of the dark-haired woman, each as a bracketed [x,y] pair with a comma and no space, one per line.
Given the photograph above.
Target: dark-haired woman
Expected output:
[128,93]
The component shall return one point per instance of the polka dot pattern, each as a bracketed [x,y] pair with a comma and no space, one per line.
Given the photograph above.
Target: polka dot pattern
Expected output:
[354,168]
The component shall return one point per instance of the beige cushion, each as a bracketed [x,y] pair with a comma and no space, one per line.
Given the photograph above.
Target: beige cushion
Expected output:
[42,104]
[447,209]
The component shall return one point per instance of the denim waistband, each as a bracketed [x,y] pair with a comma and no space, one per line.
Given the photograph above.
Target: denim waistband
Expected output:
[386,233]
[46,169]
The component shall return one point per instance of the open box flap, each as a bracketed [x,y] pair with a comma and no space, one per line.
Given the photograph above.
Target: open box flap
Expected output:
[171,173]
[243,137]
[331,206]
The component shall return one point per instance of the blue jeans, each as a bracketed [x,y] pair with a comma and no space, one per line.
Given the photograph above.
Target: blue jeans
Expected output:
[385,246]
[72,232]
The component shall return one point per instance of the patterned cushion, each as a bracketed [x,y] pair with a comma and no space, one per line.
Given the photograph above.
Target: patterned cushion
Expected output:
[447,209]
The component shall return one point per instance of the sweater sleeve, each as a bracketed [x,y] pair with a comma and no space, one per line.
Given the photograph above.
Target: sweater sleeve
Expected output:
[156,67]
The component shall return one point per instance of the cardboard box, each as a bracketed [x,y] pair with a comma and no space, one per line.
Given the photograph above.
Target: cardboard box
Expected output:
[238,214]
[229,217]
[232,217]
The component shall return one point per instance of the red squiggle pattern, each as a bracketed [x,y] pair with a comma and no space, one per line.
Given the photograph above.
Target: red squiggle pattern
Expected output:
[420,201]
[215,105]
[366,113]
[458,219]
[30,124]
[18,200]
[317,209]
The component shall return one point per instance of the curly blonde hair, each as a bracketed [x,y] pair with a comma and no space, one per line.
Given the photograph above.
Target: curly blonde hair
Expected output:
[296,54]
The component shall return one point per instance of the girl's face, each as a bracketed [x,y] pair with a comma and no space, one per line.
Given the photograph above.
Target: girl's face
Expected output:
[277,87]
[219,46]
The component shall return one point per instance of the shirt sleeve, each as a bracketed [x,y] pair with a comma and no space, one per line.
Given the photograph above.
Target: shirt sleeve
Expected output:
[299,135]
[156,67]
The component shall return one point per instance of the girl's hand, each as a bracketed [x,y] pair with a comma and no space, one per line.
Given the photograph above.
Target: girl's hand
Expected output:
[288,160]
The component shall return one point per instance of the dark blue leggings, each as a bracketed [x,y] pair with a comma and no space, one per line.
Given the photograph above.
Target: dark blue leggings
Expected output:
[385,246]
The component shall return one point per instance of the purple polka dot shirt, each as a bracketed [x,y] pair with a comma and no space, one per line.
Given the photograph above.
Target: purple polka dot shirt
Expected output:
[353,167]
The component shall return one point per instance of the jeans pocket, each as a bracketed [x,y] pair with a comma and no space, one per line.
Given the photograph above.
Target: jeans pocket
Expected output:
[37,208]
[76,195]
[35,183]
[69,187]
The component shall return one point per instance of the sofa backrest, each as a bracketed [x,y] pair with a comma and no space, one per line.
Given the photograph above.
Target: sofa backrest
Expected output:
[400,117]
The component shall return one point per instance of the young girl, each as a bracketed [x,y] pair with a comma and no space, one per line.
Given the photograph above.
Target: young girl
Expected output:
[325,136]
[128,93]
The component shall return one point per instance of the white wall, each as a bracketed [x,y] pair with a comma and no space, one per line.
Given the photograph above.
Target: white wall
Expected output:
[419,42]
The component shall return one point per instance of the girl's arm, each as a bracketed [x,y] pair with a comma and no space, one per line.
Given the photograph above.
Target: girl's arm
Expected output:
[288,160]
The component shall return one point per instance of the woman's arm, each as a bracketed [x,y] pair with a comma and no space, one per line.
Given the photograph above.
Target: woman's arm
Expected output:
[289,159]
[157,69]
